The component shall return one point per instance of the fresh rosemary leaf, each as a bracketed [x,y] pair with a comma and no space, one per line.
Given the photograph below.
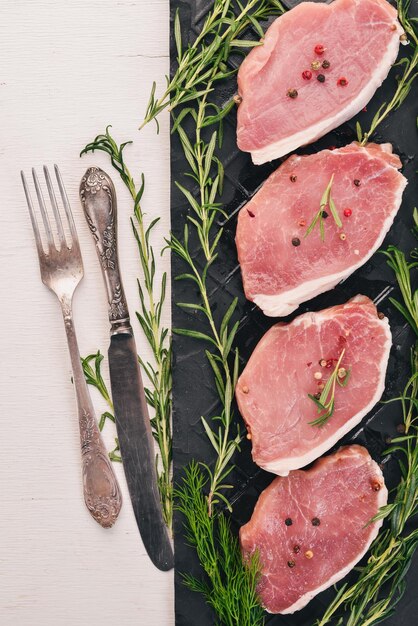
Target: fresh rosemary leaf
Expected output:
[326,402]
[326,202]
[229,584]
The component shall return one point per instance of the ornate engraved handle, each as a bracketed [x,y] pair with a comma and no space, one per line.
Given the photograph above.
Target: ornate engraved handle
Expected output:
[98,198]
[101,490]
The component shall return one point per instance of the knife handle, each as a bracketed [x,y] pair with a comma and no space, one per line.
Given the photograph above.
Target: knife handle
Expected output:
[98,197]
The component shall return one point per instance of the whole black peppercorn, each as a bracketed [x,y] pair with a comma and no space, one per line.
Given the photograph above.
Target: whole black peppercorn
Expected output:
[288,521]
[357,182]
[321,78]
[296,549]
[326,64]
[296,241]
[292,93]
[315,521]
[324,215]
[291,563]
[293,178]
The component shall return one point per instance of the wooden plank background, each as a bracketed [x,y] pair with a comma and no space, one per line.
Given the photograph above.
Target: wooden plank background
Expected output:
[67,69]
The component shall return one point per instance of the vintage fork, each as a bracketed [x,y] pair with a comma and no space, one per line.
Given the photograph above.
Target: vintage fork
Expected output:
[61,271]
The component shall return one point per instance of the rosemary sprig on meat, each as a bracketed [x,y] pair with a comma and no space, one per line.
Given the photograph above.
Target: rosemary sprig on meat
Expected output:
[409,66]
[381,581]
[152,301]
[203,62]
[326,401]
[327,202]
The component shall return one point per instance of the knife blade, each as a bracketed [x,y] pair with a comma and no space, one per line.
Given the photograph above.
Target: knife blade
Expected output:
[98,197]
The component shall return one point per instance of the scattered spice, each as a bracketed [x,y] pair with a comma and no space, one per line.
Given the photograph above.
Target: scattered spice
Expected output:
[237,98]
[307,75]
[296,549]
[309,554]
[364,109]
[357,182]
[288,521]
[376,485]
[291,563]
[316,521]
[250,213]
[321,78]
[324,215]
[342,82]
[292,93]
[319,49]
[342,372]
[302,222]
[330,363]
[293,178]
[318,375]
[347,212]
[317,395]
[315,65]
[296,242]
[309,364]
[323,362]
[249,436]
[326,64]
[393,27]
[245,389]
[403,37]
[343,236]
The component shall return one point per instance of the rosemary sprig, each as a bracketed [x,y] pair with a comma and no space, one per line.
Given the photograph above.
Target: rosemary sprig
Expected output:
[326,401]
[381,581]
[409,64]
[327,201]
[203,62]
[149,317]
[230,584]
[94,378]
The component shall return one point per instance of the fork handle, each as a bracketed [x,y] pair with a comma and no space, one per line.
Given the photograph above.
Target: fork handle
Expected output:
[101,490]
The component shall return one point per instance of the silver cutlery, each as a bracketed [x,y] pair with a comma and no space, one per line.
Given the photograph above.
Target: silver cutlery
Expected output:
[61,271]
[133,425]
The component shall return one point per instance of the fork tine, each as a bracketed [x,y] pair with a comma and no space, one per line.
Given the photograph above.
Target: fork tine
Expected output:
[42,207]
[67,207]
[32,217]
[61,235]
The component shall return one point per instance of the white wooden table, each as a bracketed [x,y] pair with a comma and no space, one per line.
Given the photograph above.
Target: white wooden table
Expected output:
[67,69]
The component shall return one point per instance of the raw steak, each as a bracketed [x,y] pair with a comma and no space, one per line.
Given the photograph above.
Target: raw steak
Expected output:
[311,527]
[294,360]
[360,40]
[367,190]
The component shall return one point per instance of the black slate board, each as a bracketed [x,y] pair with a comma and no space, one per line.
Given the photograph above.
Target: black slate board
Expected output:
[193,389]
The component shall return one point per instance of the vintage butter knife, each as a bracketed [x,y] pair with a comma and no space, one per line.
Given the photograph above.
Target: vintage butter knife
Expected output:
[133,425]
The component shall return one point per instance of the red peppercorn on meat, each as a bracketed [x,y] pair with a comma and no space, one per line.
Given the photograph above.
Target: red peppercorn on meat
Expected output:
[311,528]
[293,361]
[367,192]
[360,41]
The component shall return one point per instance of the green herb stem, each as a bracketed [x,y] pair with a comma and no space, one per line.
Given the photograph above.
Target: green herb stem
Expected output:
[203,62]
[405,81]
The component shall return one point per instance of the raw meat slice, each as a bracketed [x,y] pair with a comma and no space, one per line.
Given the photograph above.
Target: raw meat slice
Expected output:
[294,360]
[367,190]
[310,528]
[361,41]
